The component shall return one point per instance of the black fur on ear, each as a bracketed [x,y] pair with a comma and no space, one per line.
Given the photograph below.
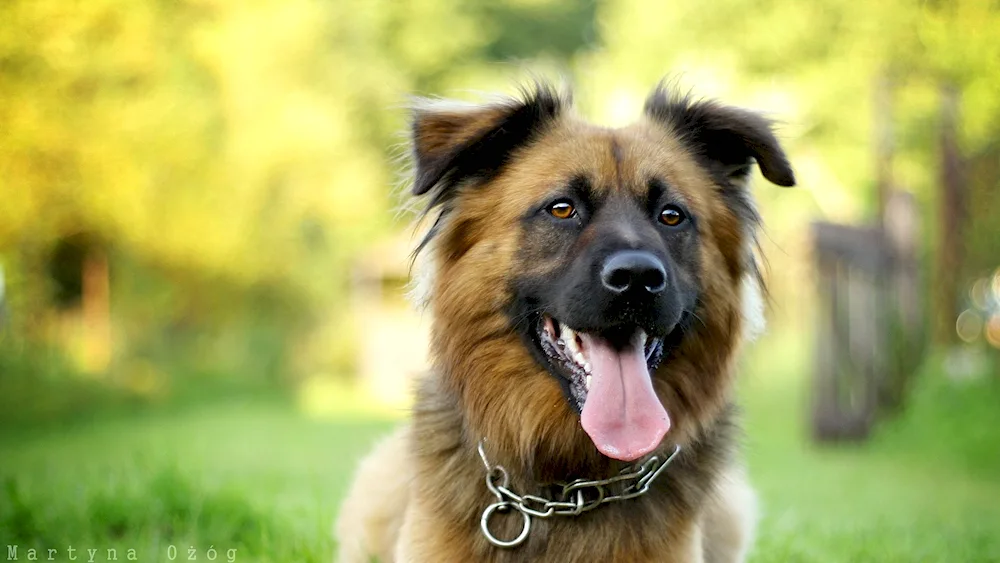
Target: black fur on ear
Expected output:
[724,138]
[455,142]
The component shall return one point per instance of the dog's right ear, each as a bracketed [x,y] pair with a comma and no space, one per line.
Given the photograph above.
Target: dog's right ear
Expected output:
[457,142]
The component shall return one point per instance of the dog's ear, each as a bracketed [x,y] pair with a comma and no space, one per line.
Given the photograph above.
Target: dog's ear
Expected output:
[727,138]
[455,142]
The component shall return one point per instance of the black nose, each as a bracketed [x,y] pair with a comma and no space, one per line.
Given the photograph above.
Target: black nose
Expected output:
[633,270]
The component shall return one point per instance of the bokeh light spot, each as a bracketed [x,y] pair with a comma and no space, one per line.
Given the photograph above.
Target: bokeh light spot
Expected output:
[980,293]
[969,325]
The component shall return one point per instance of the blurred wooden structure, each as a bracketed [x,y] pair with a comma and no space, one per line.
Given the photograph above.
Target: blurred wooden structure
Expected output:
[870,331]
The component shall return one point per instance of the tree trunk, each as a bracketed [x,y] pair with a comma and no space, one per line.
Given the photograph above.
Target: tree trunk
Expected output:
[952,212]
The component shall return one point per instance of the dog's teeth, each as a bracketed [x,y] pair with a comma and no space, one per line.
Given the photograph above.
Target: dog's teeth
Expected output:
[578,357]
[587,368]
[586,381]
[569,338]
[642,337]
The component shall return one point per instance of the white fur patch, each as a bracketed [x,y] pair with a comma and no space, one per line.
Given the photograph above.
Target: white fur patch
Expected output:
[442,105]
[449,105]
[754,322]
[422,278]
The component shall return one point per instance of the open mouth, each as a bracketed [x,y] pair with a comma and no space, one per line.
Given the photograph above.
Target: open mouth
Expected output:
[608,376]
[566,350]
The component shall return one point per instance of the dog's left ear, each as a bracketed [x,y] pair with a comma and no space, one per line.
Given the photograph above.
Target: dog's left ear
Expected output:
[726,137]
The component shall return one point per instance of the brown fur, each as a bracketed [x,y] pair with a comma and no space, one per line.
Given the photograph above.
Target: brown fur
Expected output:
[484,168]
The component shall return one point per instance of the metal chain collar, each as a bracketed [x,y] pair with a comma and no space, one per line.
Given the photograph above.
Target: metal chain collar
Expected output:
[576,497]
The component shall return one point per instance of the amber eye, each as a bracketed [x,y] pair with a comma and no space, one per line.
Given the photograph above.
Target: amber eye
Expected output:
[562,210]
[671,216]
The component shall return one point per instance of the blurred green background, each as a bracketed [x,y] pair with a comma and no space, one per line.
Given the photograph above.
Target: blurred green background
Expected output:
[203,263]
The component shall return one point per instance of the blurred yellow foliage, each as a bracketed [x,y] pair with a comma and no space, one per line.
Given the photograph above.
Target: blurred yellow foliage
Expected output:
[235,158]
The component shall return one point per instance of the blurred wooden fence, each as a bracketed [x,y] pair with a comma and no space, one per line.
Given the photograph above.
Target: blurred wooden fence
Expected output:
[870,332]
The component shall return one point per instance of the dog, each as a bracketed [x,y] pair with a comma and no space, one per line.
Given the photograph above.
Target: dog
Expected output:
[590,289]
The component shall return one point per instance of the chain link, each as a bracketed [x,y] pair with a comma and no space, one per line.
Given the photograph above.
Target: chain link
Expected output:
[575,498]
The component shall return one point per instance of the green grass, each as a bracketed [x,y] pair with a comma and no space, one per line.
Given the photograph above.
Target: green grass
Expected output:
[925,488]
[252,476]
[255,476]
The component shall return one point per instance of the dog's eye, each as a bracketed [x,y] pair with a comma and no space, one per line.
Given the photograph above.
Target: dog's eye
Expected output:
[562,209]
[672,216]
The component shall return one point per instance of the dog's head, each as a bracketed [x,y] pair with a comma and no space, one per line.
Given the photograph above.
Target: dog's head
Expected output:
[587,288]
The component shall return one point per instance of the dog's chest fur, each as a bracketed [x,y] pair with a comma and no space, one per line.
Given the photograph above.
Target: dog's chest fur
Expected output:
[450,494]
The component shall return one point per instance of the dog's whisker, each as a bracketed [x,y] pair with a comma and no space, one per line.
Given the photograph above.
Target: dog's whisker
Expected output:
[702,321]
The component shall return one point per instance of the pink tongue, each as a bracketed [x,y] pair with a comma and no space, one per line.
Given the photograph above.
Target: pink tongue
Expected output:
[622,413]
